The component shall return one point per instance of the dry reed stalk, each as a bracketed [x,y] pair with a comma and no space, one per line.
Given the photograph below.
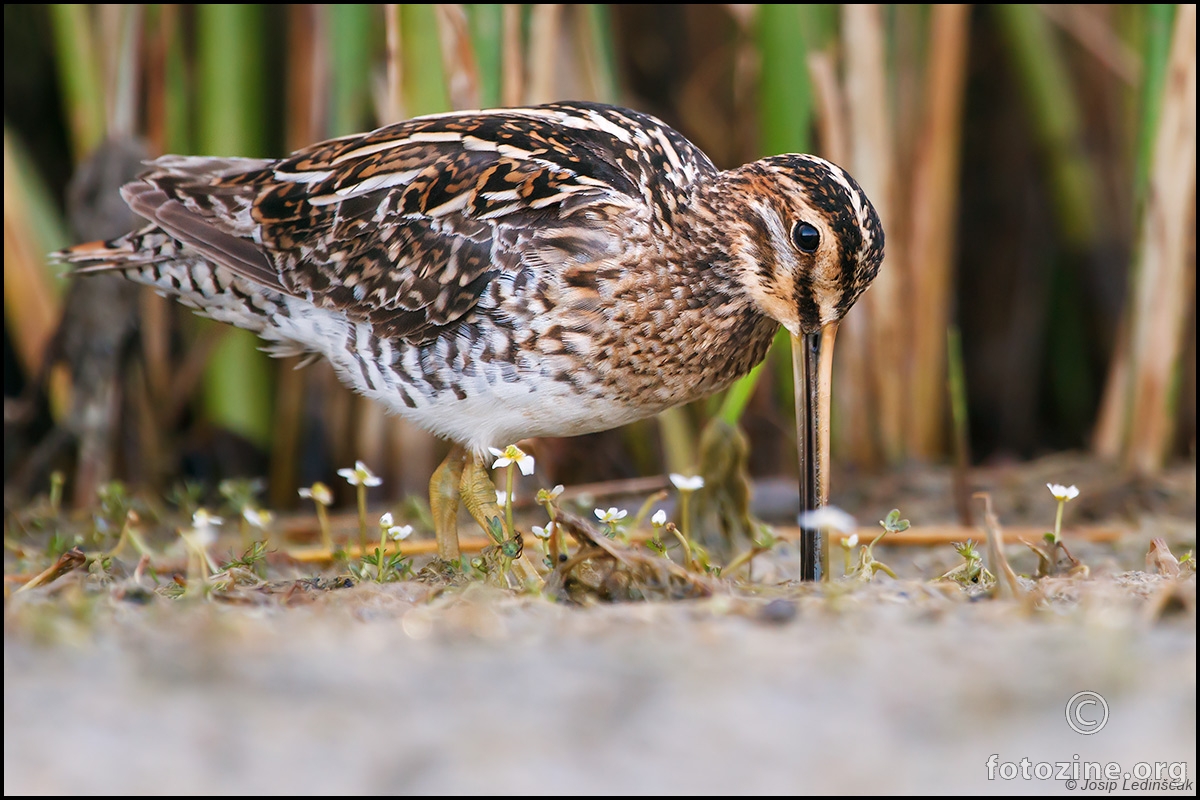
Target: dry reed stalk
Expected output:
[150,467]
[458,56]
[338,405]
[512,87]
[593,43]
[32,306]
[934,196]
[1111,419]
[1007,583]
[392,110]
[286,421]
[1165,281]
[933,536]
[545,27]
[872,163]
[157,389]
[121,25]
[830,106]
[307,75]
[155,49]
[1111,438]
[154,323]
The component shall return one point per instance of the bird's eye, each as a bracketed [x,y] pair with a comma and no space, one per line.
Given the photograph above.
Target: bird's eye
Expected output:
[806,236]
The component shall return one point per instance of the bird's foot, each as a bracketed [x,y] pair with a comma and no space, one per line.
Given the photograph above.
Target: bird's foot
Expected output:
[443,503]
[464,477]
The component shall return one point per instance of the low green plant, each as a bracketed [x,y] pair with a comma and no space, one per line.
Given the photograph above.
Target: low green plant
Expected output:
[971,572]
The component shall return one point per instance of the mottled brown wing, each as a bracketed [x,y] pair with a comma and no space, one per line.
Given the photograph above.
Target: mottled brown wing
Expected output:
[407,225]
[409,232]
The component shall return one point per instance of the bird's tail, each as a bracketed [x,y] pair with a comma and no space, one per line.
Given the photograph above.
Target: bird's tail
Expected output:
[130,253]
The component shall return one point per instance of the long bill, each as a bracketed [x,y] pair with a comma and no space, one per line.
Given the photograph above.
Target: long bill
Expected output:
[812,360]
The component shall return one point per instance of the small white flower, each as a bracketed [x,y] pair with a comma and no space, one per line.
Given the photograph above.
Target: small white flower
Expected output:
[850,542]
[257,517]
[659,519]
[360,475]
[613,515]
[828,518]
[685,483]
[512,455]
[1063,493]
[544,533]
[547,496]
[318,493]
[390,529]
[203,519]
[502,497]
[204,528]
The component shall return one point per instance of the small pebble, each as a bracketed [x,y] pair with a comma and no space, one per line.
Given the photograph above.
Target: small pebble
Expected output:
[778,611]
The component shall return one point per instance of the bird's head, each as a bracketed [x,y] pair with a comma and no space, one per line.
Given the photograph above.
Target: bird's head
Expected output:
[808,242]
[803,245]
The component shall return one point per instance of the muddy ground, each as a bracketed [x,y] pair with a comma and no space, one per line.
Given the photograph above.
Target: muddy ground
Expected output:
[889,686]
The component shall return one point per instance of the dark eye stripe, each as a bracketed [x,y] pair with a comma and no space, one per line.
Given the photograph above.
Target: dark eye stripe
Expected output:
[806,302]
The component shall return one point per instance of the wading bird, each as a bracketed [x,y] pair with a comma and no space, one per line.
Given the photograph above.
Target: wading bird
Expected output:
[502,274]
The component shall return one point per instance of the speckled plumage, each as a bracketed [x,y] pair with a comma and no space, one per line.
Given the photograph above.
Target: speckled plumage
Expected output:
[495,275]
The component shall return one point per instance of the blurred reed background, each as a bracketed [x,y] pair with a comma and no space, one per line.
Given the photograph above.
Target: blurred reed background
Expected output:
[1034,167]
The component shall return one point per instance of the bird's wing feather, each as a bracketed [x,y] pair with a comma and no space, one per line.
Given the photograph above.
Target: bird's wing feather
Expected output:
[406,225]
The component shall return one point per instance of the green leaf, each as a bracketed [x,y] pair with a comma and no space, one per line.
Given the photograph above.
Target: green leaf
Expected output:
[496,529]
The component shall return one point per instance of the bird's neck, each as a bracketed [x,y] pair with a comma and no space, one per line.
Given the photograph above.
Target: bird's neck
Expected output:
[731,330]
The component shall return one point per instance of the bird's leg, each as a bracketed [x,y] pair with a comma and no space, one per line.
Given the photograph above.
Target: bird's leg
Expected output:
[479,496]
[443,502]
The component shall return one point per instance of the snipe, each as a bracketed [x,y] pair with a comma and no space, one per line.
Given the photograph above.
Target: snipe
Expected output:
[496,275]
